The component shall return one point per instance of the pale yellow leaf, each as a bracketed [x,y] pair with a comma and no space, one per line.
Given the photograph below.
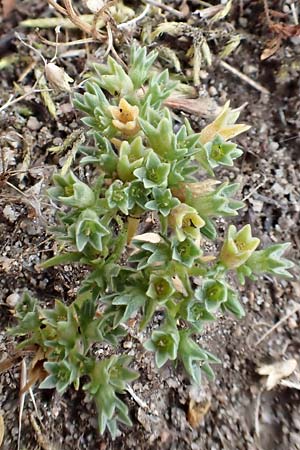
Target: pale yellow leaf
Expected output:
[153,238]
[223,13]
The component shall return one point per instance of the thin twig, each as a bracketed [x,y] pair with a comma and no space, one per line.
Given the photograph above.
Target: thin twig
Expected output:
[110,45]
[66,44]
[254,190]
[137,399]
[101,14]
[69,11]
[256,413]
[58,8]
[133,21]
[287,316]
[166,8]
[295,13]
[34,404]
[290,384]
[245,78]
[31,48]
[40,437]
[10,101]
[267,12]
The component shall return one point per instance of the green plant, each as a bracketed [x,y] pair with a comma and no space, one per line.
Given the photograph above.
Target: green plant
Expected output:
[142,166]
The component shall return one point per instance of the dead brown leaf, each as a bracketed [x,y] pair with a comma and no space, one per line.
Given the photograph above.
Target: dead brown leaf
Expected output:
[271,48]
[197,411]
[281,29]
[35,374]
[202,107]
[285,30]
[7,363]
[274,13]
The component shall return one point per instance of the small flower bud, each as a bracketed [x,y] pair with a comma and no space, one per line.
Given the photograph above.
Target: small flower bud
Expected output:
[238,247]
[185,221]
[125,117]
[160,288]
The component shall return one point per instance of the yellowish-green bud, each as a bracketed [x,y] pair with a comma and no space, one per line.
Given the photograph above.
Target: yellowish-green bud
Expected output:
[125,117]
[238,247]
[185,221]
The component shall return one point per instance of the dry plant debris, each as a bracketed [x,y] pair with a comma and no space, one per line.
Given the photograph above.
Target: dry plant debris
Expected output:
[277,371]
[197,412]
[281,30]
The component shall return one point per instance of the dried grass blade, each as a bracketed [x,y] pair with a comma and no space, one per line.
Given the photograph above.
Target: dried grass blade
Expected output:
[23,377]
[2,429]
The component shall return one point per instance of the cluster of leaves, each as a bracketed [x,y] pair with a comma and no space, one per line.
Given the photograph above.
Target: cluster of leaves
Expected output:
[142,166]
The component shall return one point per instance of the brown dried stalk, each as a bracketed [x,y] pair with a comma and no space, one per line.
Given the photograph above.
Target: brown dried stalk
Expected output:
[69,12]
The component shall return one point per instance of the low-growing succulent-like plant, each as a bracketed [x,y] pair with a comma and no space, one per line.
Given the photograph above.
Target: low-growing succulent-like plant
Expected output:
[142,168]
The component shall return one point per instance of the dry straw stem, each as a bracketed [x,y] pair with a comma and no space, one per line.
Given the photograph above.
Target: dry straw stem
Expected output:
[2,429]
[11,101]
[256,413]
[136,398]
[245,78]
[23,379]
[69,12]
[63,22]
[40,436]
[167,8]
[134,20]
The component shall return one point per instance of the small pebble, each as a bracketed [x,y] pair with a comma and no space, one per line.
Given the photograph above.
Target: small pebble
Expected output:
[212,91]
[243,22]
[57,141]
[292,323]
[33,124]
[203,74]
[249,69]
[273,146]
[12,299]
[9,214]
[127,344]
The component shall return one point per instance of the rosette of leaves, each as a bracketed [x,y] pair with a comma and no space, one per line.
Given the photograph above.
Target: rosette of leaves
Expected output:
[70,191]
[108,378]
[194,358]
[218,152]
[267,261]
[164,342]
[212,293]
